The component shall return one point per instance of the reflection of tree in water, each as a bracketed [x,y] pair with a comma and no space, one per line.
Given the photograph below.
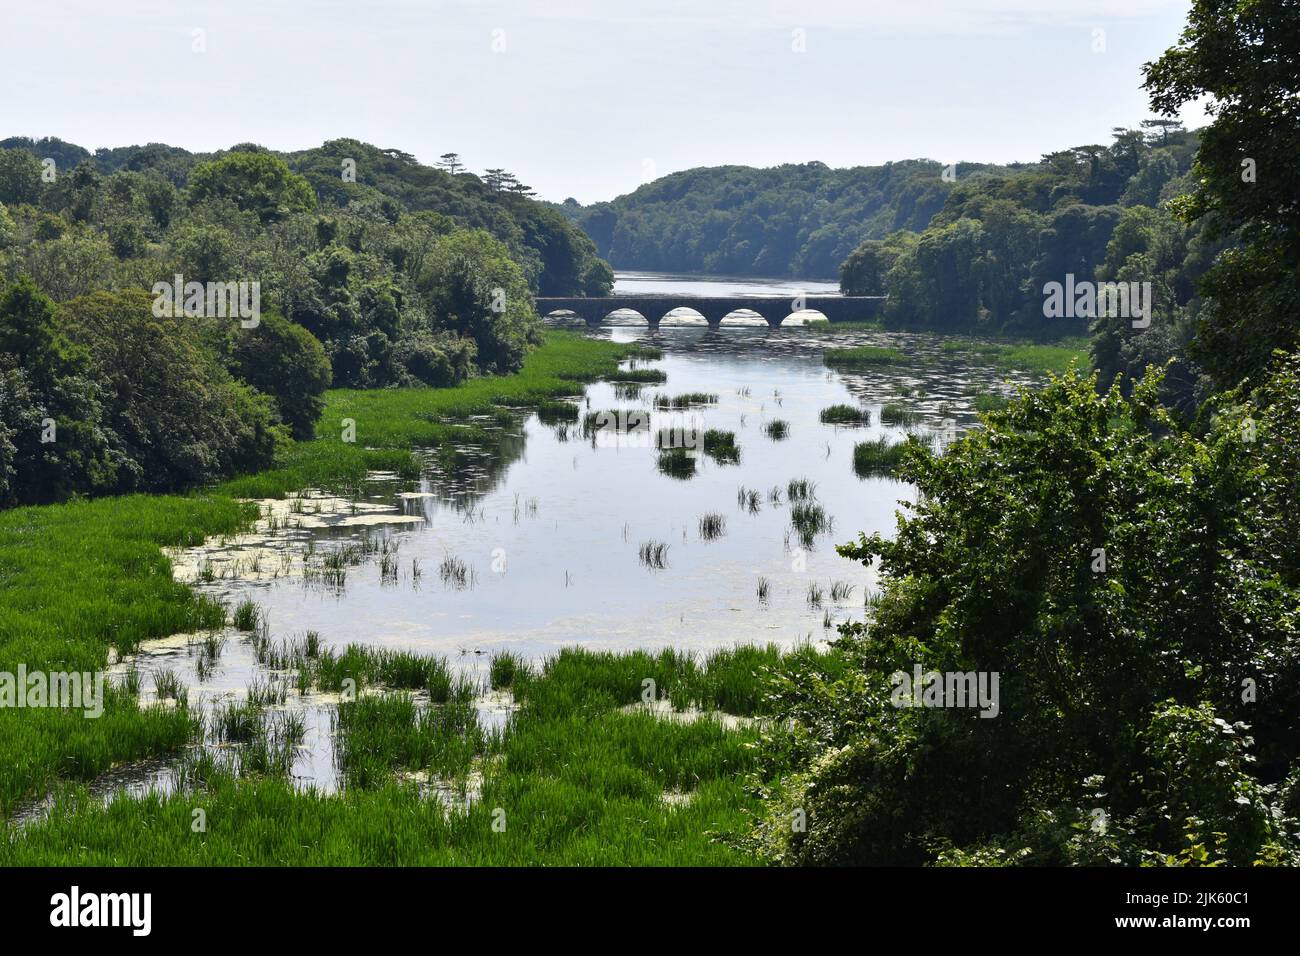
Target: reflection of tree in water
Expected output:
[460,474]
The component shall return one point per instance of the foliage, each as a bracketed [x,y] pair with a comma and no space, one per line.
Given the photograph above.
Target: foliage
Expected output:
[257,182]
[798,220]
[53,442]
[1242,59]
[394,270]
[178,419]
[284,361]
[1123,672]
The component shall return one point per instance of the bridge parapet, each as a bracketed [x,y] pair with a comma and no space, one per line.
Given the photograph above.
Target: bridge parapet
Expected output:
[775,309]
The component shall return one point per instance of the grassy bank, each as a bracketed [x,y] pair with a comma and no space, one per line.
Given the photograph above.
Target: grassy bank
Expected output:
[384,424]
[1032,357]
[81,577]
[1025,356]
[585,773]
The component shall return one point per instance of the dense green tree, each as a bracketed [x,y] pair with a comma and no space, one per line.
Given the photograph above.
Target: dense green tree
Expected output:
[473,289]
[789,220]
[258,182]
[1124,579]
[179,418]
[285,361]
[52,443]
[1244,59]
[20,177]
[864,271]
[74,263]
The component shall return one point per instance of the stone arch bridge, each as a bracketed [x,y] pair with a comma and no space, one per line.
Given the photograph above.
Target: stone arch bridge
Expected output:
[775,309]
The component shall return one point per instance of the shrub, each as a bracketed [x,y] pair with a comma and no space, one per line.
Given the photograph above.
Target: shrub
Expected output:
[284,361]
[1130,582]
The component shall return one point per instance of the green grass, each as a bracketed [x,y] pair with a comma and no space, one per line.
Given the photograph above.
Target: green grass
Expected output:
[677,463]
[721,446]
[376,735]
[845,415]
[892,413]
[79,578]
[879,457]
[864,356]
[1056,359]
[575,778]
[652,376]
[1026,356]
[387,423]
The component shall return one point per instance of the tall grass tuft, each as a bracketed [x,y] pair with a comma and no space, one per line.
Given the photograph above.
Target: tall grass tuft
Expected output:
[845,415]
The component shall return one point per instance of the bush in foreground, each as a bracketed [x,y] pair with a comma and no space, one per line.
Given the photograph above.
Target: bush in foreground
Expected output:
[1136,589]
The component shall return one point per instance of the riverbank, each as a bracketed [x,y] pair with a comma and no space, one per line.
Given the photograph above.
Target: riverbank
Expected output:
[587,773]
[608,757]
[86,576]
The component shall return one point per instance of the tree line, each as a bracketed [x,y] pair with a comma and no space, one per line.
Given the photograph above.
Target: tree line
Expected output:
[792,220]
[373,271]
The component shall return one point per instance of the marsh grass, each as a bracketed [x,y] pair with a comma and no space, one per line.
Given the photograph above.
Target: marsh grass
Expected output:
[684,401]
[777,429]
[1036,357]
[378,734]
[809,519]
[894,414]
[647,376]
[800,489]
[246,615]
[864,356]
[845,415]
[653,555]
[749,499]
[551,412]
[880,456]
[167,685]
[237,721]
[582,779]
[505,668]
[676,463]
[266,693]
[455,573]
[721,446]
[841,591]
[712,526]
[84,576]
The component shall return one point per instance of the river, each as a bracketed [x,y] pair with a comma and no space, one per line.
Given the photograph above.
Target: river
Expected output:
[546,524]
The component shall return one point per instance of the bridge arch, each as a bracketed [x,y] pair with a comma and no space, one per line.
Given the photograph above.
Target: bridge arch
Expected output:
[685,316]
[742,317]
[654,309]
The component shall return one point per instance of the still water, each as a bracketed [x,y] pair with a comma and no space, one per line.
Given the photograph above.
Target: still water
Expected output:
[543,528]
[662,283]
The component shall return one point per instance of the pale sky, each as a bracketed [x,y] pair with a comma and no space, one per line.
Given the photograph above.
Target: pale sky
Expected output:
[589,98]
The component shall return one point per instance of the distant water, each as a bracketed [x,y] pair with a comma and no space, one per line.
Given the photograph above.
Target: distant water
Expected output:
[665,283]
